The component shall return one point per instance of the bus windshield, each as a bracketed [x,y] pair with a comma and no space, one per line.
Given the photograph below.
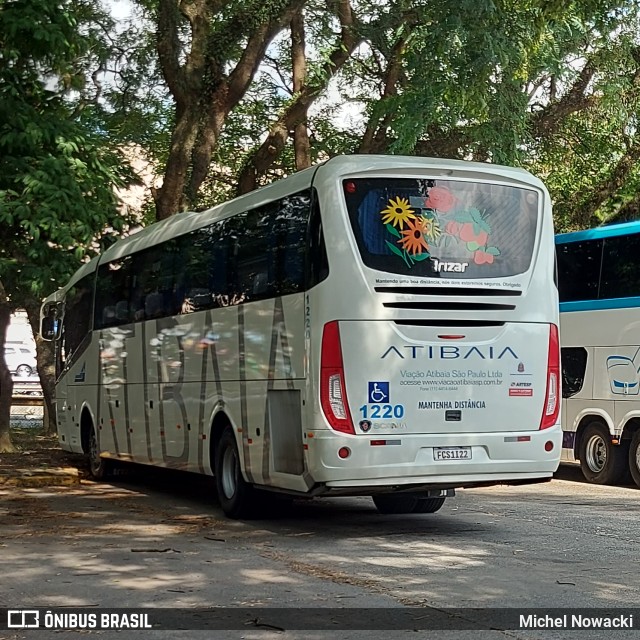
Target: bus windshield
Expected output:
[424,227]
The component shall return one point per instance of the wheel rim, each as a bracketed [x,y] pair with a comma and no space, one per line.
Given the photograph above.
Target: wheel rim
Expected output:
[596,453]
[229,473]
[638,458]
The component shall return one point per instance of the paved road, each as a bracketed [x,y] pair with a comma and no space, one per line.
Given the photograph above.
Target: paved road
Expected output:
[162,541]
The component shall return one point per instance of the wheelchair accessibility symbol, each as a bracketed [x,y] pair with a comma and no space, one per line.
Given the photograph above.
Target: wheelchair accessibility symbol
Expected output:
[378,392]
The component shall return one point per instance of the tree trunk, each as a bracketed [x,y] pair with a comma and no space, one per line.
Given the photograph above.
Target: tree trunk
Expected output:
[206,84]
[296,111]
[6,382]
[375,138]
[170,197]
[301,146]
[45,357]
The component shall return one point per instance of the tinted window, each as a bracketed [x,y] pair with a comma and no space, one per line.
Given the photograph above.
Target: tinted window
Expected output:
[579,270]
[77,317]
[113,288]
[154,285]
[203,271]
[620,272]
[254,255]
[574,364]
[410,226]
[317,260]
[271,253]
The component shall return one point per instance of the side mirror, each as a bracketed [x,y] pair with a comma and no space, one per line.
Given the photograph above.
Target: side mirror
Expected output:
[50,324]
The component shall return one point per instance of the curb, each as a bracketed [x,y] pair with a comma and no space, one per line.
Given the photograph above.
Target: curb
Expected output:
[59,477]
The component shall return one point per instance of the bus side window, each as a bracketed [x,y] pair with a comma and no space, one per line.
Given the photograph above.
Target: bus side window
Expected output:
[579,262]
[574,365]
[270,256]
[291,246]
[77,317]
[620,274]
[114,281]
[255,255]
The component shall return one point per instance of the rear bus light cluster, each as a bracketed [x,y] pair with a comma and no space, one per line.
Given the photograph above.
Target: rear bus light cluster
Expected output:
[551,405]
[333,392]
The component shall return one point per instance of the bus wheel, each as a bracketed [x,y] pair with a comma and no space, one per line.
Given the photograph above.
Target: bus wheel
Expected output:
[601,461]
[634,458]
[396,502]
[235,495]
[429,505]
[99,467]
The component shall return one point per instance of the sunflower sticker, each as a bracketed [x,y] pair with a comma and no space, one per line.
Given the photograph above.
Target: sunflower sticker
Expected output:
[413,230]
[397,213]
[413,240]
[437,220]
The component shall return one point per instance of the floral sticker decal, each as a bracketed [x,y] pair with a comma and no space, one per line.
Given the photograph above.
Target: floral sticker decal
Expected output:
[440,199]
[413,239]
[437,221]
[398,212]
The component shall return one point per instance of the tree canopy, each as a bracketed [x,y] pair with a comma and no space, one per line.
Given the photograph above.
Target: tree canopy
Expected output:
[222,96]
[242,92]
[58,167]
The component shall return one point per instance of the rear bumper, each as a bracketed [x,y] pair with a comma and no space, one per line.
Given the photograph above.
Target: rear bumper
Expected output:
[409,459]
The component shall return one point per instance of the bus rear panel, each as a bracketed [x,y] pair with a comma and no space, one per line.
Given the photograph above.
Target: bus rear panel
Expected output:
[436,333]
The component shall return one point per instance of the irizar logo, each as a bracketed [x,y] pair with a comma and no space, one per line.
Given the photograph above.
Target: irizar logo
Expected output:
[441,265]
[449,352]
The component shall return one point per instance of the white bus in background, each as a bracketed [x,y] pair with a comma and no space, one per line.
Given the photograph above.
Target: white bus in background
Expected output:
[381,326]
[599,284]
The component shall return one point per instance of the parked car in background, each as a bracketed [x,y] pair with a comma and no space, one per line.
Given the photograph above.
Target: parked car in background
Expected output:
[20,359]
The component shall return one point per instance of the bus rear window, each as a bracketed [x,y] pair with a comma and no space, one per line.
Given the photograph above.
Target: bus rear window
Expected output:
[447,228]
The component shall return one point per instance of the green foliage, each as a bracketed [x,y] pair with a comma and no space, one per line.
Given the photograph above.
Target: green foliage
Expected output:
[589,163]
[57,172]
[455,78]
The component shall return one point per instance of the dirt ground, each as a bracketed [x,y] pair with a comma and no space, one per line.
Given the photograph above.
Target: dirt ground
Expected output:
[37,451]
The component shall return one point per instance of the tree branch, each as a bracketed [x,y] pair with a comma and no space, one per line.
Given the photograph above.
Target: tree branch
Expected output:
[546,122]
[259,40]
[619,176]
[168,46]
[295,113]
[375,138]
[301,147]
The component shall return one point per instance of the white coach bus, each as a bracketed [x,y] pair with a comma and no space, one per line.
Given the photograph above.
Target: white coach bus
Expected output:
[599,285]
[383,326]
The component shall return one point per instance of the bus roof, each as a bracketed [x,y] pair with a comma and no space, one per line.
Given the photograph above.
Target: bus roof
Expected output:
[182,223]
[607,231]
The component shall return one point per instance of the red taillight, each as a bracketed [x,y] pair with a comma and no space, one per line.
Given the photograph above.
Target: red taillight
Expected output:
[333,393]
[552,399]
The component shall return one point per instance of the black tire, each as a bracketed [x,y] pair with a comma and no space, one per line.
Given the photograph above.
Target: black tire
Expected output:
[429,505]
[100,468]
[601,461]
[394,503]
[634,458]
[236,496]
